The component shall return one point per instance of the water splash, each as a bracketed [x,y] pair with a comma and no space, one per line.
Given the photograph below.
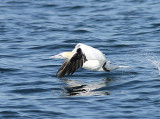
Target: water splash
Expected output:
[151,57]
[156,63]
[146,57]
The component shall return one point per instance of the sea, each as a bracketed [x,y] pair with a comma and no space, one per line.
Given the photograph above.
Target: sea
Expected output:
[126,31]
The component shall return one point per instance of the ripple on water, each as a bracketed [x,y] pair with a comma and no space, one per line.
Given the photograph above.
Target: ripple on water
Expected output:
[127,31]
[3,70]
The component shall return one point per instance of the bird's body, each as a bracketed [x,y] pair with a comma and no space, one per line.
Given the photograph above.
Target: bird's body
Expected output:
[95,58]
[86,57]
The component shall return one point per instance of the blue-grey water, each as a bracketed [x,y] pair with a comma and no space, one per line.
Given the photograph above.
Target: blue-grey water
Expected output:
[127,31]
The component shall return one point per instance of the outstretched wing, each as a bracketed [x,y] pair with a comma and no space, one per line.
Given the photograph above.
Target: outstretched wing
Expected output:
[70,66]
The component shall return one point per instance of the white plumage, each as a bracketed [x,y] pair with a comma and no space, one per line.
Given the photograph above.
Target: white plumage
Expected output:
[86,57]
[95,58]
[90,52]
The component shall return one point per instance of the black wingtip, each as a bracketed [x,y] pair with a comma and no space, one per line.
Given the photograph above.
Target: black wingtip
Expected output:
[69,67]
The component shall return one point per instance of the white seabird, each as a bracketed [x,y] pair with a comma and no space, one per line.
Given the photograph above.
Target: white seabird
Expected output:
[86,57]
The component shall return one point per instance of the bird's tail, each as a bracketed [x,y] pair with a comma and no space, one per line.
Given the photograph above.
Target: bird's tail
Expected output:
[114,67]
[124,66]
[111,67]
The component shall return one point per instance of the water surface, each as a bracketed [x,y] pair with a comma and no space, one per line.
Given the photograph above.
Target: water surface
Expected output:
[127,31]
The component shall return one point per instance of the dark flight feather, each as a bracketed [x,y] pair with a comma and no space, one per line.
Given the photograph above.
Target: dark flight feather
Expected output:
[70,66]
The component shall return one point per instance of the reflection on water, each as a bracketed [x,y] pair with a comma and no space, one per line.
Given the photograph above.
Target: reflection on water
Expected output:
[78,88]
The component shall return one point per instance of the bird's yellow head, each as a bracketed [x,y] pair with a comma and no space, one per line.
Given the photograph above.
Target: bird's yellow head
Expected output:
[67,55]
[63,55]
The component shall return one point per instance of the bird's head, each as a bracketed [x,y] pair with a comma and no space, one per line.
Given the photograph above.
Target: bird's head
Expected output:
[63,55]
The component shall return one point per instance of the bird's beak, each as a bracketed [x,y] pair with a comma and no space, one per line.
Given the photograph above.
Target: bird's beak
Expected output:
[59,56]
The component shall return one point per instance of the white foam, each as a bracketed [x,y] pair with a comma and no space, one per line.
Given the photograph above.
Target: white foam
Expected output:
[154,60]
[156,64]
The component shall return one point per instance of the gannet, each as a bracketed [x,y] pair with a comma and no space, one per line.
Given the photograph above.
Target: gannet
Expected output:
[86,57]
